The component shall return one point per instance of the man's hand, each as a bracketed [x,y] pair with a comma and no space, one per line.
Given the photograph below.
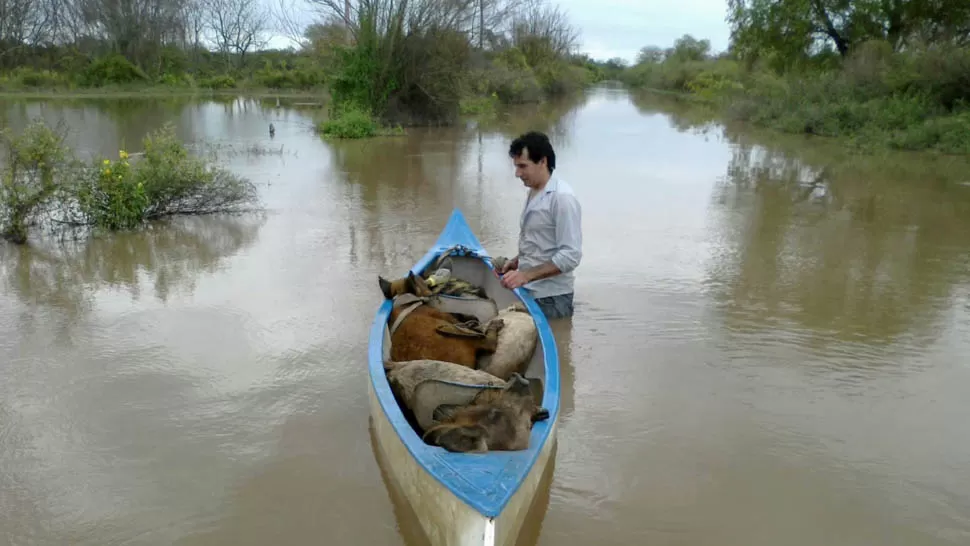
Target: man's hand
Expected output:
[509,265]
[515,279]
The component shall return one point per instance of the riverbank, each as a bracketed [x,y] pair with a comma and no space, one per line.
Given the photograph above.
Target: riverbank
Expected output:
[147,91]
[874,100]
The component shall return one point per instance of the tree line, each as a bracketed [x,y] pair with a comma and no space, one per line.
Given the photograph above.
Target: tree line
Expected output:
[879,73]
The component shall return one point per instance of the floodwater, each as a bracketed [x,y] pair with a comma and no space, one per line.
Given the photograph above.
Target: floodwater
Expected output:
[770,344]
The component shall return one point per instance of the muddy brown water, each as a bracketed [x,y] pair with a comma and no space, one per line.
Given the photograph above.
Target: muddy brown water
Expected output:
[770,344]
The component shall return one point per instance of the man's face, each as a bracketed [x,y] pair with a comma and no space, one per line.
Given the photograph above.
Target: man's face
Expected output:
[528,172]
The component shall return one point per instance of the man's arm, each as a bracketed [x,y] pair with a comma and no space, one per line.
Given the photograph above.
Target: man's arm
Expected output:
[569,237]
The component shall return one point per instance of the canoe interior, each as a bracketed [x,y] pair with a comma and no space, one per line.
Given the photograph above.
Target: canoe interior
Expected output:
[477,271]
[486,481]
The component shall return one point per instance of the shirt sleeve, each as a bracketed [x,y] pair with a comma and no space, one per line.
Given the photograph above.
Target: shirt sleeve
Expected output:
[569,234]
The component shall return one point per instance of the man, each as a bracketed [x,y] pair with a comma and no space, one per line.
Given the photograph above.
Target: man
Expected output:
[550,234]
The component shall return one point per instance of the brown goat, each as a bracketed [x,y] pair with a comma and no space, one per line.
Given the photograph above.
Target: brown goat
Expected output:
[428,333]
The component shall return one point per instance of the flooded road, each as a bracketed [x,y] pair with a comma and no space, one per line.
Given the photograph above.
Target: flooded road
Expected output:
[770,342]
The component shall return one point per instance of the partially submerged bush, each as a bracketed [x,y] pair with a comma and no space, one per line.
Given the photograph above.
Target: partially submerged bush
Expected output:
[166,180]
[110,198]
[40,176]
[352,121]
[30,161]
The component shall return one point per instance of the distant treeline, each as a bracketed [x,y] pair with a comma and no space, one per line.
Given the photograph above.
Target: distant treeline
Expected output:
[881,74]
[397,62]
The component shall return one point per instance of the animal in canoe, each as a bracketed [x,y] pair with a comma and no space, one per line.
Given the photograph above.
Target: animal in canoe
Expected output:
[420,331]
[452,286]
[516,343]
[466,410]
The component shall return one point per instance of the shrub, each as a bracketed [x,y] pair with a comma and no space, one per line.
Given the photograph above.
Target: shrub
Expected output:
[112,199]
[28,179]
[112,70]
[352,121]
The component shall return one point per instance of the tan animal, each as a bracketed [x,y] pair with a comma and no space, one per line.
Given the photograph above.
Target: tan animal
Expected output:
[420,331]
[516,343]
[465,410]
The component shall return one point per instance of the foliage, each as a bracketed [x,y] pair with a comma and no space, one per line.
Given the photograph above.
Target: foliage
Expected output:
[42,177]
[111,199]
[873,96]
[111,70]
[353,121]
[27,181]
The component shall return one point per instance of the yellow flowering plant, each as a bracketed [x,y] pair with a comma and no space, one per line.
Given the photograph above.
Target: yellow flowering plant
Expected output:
[115,200]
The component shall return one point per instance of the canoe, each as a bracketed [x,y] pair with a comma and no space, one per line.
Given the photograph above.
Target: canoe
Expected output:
[464,499]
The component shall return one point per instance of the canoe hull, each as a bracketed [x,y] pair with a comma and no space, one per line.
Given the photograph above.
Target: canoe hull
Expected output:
[445,519]
[465,499]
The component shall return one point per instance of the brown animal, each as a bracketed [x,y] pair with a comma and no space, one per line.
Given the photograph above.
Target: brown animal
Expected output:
[454,286]
[516,343]
[498,420]
[429,333]
[468,302]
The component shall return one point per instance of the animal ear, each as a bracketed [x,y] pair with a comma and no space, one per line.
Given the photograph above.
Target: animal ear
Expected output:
[385,287]
[417,286]
[444,412]
[463,439]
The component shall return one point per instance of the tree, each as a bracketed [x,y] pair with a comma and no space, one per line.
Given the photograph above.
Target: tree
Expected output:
[237,26]
[795,28]
[650,55]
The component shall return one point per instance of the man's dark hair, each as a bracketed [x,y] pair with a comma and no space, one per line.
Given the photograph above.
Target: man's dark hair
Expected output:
[538,146]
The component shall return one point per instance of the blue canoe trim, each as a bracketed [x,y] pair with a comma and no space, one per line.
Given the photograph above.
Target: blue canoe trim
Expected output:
[484,481]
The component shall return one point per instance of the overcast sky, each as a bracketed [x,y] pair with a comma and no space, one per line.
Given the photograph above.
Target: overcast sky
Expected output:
[619,28]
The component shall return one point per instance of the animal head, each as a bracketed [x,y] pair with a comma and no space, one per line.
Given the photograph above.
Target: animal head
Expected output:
[498,420]
[412,284]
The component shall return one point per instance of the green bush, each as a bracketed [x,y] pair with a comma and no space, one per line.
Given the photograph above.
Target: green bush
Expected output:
[27,181]
[112,70]
[352,121]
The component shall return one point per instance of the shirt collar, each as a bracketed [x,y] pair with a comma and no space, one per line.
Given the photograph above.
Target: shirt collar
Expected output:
[552,185]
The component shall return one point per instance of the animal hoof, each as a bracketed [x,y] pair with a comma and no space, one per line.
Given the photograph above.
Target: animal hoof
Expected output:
[540,415]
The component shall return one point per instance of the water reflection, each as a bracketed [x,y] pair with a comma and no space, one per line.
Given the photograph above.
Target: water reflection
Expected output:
[733,285]
[683,115]
[96,126]
[836,248]
[556,118]
[169,255]
[402,189]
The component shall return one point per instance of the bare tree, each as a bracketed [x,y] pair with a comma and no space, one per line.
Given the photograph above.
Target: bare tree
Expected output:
[135,28]
[23,23]
[237,26]
[537,22]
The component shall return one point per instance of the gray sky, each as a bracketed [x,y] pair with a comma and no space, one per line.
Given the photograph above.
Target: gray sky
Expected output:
[619,28]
